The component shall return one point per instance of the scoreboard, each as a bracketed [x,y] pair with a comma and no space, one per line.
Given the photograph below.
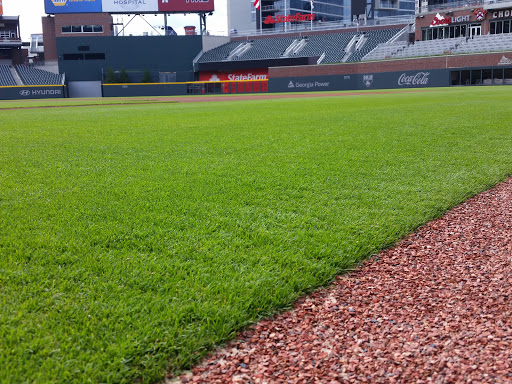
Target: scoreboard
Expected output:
[128,6]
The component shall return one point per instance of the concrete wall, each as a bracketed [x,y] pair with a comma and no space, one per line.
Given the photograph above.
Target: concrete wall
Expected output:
[211,42]
[239,16]
[84,89]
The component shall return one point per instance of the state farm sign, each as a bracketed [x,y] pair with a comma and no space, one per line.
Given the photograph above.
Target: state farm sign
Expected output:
[290,18]
[255,74]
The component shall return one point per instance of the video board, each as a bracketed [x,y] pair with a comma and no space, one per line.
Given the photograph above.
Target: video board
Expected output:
[128,6]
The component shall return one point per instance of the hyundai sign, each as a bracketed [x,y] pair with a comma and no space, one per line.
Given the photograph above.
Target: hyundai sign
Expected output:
[128,6]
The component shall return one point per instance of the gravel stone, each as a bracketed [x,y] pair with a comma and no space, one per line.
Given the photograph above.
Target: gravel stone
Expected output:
[434,309]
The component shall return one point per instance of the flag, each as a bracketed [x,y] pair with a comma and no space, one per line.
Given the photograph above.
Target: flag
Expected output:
[257,4]
[312,4]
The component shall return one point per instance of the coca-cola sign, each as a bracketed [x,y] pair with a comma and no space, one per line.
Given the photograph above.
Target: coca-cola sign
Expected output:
[420,78]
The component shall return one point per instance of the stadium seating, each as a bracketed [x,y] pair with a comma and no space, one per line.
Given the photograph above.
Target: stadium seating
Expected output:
[486,43]
[332,45]
[373,39]
[385,51]
[219,53]
[430,48]
[459,45]
[6,77]
[34,76]
[267,48]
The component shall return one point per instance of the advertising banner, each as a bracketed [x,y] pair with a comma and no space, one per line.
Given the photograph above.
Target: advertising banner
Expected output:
[185,6]
[382,80]
[34,92]
[405,79]
[1,8]
[129,6]
[72,6]
[312,83]
[250,74]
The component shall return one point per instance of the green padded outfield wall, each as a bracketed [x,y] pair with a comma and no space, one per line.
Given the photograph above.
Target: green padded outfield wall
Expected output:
[83,58]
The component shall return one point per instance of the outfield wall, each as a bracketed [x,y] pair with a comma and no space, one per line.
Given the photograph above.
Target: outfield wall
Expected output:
[392,65]
[383,80]
[138,89]
[188,88]
[33,92]
[388,74]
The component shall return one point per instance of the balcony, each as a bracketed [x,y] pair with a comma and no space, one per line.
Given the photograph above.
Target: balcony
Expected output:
[462,4]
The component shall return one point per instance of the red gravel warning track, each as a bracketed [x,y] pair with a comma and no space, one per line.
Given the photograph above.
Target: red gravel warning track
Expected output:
[434,309]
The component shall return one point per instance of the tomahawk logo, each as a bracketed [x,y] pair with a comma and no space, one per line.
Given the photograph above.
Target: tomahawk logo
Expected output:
[505,61]
[290,85]
[368,80]
[24,92]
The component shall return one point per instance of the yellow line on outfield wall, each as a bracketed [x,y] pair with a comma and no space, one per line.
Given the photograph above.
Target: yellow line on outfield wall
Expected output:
[192,82]
[29,86]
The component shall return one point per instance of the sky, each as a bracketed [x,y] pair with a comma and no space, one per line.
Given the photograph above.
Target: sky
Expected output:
[31,11]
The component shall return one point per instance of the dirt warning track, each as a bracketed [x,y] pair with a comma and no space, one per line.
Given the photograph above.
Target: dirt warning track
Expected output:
[199,99]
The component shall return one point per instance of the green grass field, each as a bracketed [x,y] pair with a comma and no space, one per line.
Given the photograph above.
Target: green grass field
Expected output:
[134,238]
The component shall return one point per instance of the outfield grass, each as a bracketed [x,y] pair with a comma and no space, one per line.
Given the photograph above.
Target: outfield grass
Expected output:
[133,238]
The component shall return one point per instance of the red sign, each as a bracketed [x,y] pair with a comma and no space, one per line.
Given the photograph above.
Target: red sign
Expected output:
[1,8]
[440,20]
[185,6]
[251,74]
[290,18]
[190,30]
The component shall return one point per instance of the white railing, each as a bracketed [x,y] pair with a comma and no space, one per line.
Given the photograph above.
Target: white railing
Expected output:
[326,26]
[461,5]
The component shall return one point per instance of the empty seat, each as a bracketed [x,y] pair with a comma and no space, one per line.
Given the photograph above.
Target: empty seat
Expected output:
[35,76]
[6,77]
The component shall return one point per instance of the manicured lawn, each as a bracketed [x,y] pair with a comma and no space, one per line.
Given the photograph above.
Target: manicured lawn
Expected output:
[133,238]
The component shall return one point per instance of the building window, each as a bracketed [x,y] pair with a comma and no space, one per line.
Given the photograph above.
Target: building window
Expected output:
[83,56]
[82,29]
[448,32]
[502,26]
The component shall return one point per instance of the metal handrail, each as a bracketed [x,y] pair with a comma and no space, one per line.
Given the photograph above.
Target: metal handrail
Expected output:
[461,5]
[326,26]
